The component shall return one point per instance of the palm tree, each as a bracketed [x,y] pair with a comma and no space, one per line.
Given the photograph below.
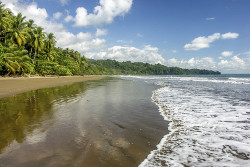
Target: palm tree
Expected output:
[10,63]
[50,43]
[77,56]
[30,27]
[37,41]
[16,60]
[31,24]
[19,31]
[5,21]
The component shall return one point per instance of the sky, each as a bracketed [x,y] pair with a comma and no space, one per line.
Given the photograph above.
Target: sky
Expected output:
[204,34]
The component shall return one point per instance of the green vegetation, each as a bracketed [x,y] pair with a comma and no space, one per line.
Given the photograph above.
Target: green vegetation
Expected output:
[138,68]
[26,49]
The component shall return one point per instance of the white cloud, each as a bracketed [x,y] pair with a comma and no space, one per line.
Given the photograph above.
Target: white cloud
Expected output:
[204,42]
[120,41]
[223,62]
[226,53]
[31,11]
[57,15]
[9,1]
[84,46]
[238,60]
[82,42]
[234,65]
[147,54]
[84,36]
[210,18]
[174,51]
[203,63]
[69,18]
[247,53]
[64,2]
[101,32]
[230,35]
[125,42]
[102,14]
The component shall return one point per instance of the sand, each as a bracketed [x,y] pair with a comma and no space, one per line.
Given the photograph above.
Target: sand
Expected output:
[104,123]
[11,86]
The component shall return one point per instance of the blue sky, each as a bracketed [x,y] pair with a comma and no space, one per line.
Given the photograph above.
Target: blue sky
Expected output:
[210,34]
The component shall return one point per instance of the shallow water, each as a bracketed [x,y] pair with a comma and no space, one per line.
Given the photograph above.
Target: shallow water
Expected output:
[111,122]
[210,120]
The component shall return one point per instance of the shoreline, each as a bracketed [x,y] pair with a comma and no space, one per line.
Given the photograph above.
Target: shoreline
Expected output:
[108,123]
[10,86]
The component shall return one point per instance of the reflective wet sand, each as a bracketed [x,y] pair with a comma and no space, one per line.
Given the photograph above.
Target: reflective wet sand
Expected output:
[10,86]
[107,123]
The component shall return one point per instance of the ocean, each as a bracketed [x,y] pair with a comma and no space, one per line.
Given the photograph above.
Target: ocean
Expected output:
[209,120]
[202,121]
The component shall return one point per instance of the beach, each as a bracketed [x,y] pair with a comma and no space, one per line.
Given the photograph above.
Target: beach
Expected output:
[129,121]
[109,122]
[10,86]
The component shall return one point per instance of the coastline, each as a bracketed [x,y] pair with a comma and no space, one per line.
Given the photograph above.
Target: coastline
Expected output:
[11,86]
[110,122]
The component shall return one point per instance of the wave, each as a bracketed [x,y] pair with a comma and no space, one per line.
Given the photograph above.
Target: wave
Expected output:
[227,80]
[205,130]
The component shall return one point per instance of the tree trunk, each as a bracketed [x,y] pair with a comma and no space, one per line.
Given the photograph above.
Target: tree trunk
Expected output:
[34,60]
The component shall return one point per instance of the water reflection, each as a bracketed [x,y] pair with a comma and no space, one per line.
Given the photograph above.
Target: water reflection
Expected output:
[105,123]
[22,114]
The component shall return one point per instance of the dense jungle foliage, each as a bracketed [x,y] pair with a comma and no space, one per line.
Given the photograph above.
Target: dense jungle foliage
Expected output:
[26,49]
[138,68]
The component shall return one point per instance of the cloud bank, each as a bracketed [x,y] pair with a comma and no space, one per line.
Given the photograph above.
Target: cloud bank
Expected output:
[231,66]
[147,54]
[151,55]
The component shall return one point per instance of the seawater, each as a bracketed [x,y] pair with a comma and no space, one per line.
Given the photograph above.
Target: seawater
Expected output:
[105,123]
[210,120]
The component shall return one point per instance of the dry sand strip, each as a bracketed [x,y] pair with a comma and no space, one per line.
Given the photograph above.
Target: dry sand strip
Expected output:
[12,86]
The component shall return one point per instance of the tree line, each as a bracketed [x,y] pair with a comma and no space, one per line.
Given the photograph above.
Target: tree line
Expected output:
[139,68]
[26,49]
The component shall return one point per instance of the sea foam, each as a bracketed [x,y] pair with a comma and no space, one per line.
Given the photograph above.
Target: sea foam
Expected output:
[208,127]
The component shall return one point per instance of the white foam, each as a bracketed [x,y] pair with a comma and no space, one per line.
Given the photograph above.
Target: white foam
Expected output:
[243,79]
[205,130]
[226,80]
[229,81]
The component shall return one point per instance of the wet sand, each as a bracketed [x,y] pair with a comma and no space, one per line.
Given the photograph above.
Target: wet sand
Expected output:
[12,86]
[102,123]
